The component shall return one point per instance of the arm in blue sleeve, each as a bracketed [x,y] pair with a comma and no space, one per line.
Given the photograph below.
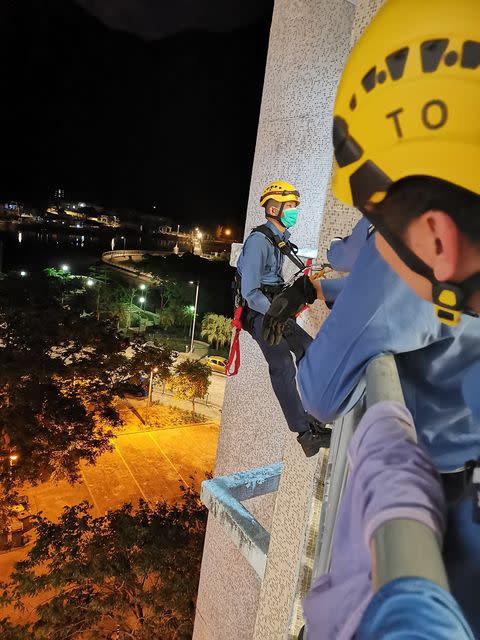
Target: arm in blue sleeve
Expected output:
[343,252]
[332,287]
[255,253]
[375,313]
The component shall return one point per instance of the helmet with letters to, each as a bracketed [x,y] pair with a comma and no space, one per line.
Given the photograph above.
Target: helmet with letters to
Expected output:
[408,100]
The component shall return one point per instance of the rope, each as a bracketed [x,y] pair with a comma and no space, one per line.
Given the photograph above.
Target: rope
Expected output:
[234,357]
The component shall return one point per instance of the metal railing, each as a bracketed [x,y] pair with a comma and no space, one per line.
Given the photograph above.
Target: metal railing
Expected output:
[402,547]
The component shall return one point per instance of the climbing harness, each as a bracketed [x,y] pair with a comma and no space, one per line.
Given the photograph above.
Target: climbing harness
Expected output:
[243,316]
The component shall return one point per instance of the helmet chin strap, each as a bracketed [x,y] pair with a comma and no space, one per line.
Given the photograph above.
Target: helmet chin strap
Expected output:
[449,298]
[278,217]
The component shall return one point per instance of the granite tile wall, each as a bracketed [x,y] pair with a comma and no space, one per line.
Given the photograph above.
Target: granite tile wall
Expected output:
[279,612]
[309,42]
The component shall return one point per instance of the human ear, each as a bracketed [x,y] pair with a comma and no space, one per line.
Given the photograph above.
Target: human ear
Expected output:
[445,235]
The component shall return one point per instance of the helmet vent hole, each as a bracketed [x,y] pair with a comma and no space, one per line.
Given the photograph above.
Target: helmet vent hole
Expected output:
[369,79]
[382,76]
[471,54]
[432,52]
[451,58]
[396,63]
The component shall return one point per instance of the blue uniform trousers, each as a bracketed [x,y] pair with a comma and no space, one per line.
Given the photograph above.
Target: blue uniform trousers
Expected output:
[283,372]
[461,552]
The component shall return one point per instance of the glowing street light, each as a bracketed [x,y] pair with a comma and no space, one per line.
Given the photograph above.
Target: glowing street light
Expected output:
[192,308]
[142,299]
[194,313]
[150,391]
[23,273]
[228,232]
[12,459]
[65,268]
[90,283]
[143,287]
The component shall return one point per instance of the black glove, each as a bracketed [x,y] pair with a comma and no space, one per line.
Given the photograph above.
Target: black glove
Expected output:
[285,306]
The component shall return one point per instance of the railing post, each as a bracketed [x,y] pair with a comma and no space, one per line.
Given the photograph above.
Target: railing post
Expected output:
[383,382]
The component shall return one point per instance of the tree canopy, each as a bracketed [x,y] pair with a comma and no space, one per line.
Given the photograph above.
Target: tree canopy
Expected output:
[58,368]
[134,571]
[190,381]
[217,329]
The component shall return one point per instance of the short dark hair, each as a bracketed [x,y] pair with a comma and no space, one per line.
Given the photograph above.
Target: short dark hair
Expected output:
[411,197]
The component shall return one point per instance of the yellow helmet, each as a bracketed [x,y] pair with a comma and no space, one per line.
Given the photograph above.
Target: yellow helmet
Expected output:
[280,191]
[408,100]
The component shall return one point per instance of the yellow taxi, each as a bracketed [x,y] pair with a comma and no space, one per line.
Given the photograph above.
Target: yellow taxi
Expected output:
[217,363]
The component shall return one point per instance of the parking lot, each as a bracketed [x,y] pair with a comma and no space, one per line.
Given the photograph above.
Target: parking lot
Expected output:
[143,464]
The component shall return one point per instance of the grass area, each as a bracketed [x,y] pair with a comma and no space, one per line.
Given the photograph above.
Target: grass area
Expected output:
[174,342]
[160,416]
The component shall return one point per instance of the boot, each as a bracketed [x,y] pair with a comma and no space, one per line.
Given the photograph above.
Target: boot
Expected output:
[315,438]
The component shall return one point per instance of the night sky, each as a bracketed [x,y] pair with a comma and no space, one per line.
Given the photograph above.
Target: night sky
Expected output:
[132,103]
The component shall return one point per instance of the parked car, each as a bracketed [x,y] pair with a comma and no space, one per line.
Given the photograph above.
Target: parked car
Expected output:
[217,363]
[129,390]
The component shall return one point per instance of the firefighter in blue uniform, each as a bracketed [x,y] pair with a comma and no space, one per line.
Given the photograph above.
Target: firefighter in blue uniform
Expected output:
[260,267]
[406,136]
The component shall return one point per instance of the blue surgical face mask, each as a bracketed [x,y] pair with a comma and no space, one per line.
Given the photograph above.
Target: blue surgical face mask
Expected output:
[289,217]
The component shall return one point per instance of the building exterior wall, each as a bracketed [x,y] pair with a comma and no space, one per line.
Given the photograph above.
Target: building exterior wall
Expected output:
[309,42]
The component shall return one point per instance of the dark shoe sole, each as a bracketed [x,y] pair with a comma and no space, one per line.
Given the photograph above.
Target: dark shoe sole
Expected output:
[312,443]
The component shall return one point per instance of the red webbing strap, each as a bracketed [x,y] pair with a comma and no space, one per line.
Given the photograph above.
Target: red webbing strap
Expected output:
[234,357]
[308,264]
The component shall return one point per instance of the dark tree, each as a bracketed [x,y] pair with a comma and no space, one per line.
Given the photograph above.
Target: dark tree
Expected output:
[135,571]
[190,381]
[58,367]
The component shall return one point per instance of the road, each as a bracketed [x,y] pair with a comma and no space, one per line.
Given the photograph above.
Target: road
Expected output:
[216,390]
[145,464]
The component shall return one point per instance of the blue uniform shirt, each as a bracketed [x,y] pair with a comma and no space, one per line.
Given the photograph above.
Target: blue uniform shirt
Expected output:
[377,313]
[343,252]
[260,263]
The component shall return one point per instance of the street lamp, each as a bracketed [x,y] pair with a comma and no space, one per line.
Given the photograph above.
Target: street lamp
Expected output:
[143,287]
[150,391]
[124,242]
[194,313]
[90,283]
[23,273]
[65,268]
[142,300]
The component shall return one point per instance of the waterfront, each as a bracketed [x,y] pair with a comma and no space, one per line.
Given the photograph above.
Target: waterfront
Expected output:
[33,249]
